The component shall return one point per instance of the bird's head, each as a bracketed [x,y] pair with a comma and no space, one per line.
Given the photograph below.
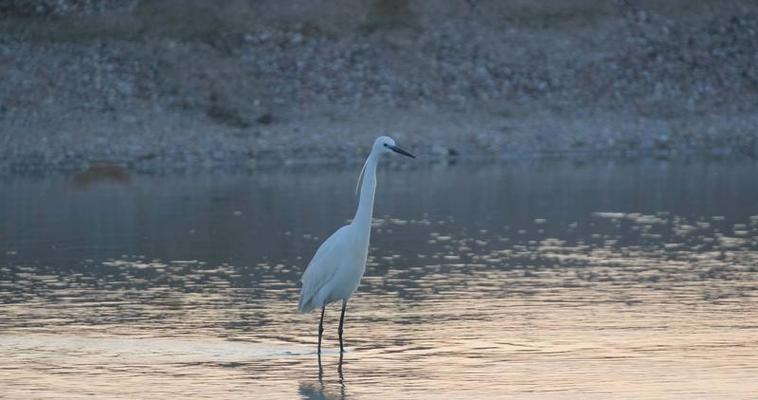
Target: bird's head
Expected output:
[382,144]
[385,144]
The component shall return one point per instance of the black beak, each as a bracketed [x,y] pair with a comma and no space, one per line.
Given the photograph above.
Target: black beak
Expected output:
[401,151]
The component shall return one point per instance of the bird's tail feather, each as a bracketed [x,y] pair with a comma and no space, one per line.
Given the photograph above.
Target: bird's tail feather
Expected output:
[305,304]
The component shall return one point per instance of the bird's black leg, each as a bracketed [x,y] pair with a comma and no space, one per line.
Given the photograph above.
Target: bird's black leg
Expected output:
[321,330]
[342,321]
[320,371]
[342,377]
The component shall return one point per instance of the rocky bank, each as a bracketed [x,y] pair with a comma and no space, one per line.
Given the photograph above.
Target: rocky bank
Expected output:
[188,83]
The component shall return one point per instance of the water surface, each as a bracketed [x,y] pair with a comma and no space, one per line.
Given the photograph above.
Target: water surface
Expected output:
[521,280]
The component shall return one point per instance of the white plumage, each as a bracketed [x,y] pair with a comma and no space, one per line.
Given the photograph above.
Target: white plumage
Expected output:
[336,269]
[339,263]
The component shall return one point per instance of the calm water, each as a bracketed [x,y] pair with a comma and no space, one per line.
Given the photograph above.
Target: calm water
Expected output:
[550,280]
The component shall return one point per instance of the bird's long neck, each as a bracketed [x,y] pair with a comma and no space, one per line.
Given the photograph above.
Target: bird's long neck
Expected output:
[368,189]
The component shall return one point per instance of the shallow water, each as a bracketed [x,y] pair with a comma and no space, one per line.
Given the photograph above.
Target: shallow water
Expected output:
[525,280]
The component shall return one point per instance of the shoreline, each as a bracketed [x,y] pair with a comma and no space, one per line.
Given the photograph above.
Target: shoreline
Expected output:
[174,141]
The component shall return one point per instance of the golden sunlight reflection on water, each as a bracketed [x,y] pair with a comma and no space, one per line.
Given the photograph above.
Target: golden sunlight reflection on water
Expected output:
[601,304]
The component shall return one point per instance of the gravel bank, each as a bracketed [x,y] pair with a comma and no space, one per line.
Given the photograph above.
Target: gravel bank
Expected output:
[125,82]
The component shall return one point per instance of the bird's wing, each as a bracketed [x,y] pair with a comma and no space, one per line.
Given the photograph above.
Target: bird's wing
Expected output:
[324,264]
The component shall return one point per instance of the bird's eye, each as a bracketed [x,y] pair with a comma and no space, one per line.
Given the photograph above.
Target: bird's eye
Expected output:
[385,144]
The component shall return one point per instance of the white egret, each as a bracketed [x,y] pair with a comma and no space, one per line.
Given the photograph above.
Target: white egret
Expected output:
[339,263]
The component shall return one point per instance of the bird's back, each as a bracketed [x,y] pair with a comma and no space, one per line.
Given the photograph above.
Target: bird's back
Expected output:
[335,270]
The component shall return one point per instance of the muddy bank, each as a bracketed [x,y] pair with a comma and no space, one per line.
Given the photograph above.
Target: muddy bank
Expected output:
[187,83]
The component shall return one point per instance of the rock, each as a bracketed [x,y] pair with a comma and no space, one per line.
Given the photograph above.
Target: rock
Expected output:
[265,119]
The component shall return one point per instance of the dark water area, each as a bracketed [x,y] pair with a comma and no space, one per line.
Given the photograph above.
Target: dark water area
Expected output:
[549,279]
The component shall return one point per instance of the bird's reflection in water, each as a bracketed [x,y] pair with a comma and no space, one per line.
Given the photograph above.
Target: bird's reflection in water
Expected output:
[324,390]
